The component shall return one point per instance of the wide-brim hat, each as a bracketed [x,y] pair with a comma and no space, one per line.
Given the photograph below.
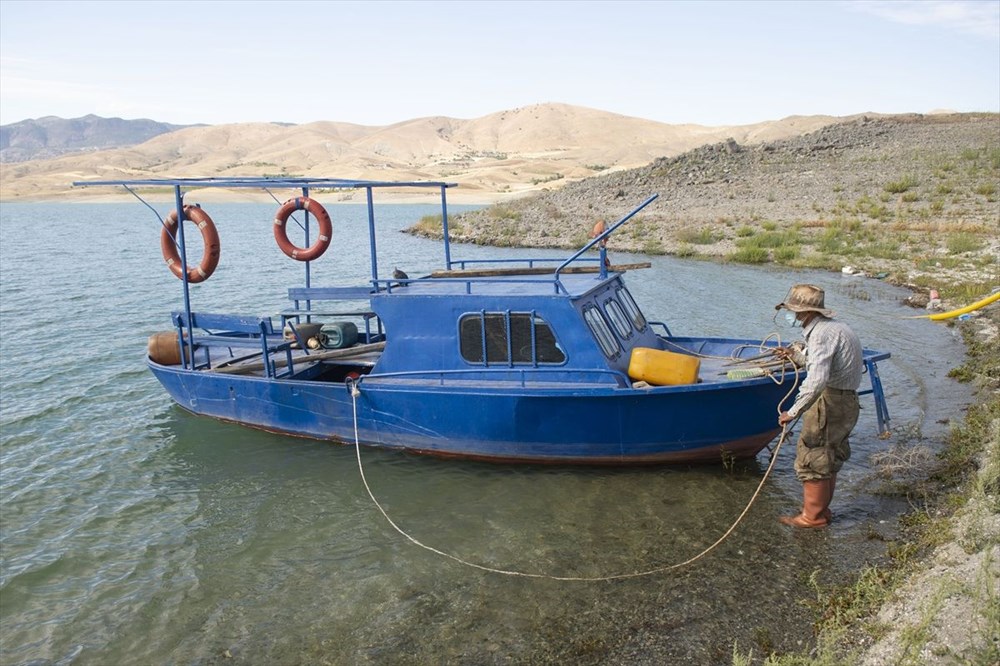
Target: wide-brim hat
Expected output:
[805,298]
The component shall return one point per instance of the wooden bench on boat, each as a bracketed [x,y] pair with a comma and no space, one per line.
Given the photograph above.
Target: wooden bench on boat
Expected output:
[303,298]
[233,332]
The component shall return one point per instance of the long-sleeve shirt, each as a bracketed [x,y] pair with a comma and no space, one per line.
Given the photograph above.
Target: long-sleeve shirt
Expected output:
[833,359]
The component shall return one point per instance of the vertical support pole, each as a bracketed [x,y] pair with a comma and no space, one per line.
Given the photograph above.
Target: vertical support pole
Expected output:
[373,251]
[482,330]
[182,247]
[264,355]
[444,224]
[305,193]
[534,340]
[881,408]
[510,342]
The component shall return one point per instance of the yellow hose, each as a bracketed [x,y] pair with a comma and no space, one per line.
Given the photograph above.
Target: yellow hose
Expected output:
[939,316]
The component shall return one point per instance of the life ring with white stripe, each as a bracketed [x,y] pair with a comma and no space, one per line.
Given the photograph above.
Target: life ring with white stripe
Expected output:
[209,236]
[313,207]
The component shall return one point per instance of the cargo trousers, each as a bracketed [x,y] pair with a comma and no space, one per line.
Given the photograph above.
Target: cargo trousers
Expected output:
[824,445]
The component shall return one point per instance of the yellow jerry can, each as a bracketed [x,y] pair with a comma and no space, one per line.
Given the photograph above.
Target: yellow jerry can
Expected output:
[663,368]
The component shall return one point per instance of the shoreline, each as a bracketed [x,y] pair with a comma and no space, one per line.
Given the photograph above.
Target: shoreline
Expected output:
[941,609]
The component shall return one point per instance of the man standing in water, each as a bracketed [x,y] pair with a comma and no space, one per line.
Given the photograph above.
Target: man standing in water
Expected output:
[827,400]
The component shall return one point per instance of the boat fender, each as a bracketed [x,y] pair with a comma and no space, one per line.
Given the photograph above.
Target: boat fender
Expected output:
[209,237]
[314,251]
[164,349]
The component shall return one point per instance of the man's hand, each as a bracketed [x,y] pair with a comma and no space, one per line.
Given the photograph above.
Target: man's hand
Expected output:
[792,353]
[784,419]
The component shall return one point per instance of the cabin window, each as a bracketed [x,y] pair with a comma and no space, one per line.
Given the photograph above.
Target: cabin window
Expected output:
[634,313]
[511,338]
[618,318]
[601,332]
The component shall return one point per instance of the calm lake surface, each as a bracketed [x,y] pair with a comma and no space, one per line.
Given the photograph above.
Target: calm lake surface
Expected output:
[135,533]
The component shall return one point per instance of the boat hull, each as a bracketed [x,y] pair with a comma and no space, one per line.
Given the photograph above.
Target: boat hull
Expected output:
[594,425]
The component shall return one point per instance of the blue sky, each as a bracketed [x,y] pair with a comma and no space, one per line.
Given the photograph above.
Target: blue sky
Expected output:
[376,63]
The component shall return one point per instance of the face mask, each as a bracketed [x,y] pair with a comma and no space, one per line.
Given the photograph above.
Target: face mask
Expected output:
[792,319]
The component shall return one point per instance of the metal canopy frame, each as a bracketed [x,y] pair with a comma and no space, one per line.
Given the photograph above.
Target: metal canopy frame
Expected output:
[182,186]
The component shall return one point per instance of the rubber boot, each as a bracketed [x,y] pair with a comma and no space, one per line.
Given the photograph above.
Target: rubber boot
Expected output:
[815,501]
[826,512]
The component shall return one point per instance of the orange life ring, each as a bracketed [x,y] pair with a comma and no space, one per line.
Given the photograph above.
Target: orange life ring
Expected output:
[314,251]
[210,237]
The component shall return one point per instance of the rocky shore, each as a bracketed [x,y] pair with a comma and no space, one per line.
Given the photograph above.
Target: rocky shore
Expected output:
[904,196]
[944,609]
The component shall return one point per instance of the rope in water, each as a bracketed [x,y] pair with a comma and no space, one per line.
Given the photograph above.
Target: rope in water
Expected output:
[355,392]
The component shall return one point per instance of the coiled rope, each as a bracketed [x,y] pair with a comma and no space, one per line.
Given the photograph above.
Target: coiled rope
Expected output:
[785,431]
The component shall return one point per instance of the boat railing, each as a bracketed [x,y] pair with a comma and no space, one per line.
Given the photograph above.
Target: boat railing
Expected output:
[471,282]
[547,275]
[660,324]
[531,262]
[570,376]
[600,239]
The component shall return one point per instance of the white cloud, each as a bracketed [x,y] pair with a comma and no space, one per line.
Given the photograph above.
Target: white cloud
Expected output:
[974,17]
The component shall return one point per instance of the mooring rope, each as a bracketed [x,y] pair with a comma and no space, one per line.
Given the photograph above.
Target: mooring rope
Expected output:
[734,355]
[786,429]
[765,362]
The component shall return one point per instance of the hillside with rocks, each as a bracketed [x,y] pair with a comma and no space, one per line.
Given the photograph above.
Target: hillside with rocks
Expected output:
[883,194]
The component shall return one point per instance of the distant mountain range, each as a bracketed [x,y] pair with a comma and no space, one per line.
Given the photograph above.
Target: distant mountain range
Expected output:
[500,156]
[50,136]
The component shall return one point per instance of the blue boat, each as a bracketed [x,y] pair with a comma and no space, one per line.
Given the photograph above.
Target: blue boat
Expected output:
[538,360]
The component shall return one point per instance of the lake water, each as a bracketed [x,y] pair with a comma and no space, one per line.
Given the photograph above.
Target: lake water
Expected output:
[135,533]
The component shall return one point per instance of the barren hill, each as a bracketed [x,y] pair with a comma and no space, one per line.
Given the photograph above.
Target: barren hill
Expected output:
[50,137]
[500,156]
